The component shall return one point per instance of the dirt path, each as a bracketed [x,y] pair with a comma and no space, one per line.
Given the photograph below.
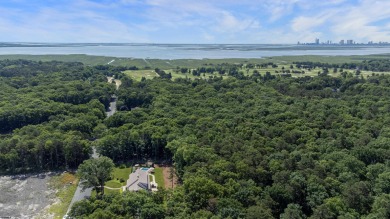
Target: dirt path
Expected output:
[112,188]
[147,62]
[117,82]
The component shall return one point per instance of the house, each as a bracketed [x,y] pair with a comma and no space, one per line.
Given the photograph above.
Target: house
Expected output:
[139,180]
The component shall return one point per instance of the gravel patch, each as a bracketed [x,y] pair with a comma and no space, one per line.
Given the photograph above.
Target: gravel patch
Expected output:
[24,196]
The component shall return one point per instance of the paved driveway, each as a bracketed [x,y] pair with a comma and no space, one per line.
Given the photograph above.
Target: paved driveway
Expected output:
[79,195]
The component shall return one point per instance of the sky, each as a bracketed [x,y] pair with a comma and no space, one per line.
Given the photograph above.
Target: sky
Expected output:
[194,21]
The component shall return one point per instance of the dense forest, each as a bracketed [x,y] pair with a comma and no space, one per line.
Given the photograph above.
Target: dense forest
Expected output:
[260,146]
[47,113]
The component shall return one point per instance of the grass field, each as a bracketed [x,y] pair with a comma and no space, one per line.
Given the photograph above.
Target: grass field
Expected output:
[112,191]
[66,184]
[311,73]
[158,174]
[150,74]
[190,63]
[313,58]
[187,75]
[86,59]
[65,193]
[118,174]
[107,191]
[171,65]
[138,74]
[113,184]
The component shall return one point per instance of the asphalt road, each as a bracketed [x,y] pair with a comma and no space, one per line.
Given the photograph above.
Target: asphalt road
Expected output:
[79,194]
[112,108]
[94,153]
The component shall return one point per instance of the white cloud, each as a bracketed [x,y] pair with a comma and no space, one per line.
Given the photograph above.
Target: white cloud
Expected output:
[244,21]
[67,25]
[305,23]
[229,23]
[176,14]
[359,21]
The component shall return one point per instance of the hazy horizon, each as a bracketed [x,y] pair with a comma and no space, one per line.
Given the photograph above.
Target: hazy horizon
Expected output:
[186,51]
[167,43]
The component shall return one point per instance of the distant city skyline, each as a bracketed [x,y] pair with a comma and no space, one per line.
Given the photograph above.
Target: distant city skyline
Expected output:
[200,21]
[341,42]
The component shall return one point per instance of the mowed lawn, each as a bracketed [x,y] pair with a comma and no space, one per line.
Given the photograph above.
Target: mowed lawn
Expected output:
[117,175]
[158,174]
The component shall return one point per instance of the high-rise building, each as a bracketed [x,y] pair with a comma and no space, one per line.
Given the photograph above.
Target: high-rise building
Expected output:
[317,41]
[349,42]
[341,42]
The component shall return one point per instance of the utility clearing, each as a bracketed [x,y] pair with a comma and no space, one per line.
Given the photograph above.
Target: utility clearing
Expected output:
[25,196]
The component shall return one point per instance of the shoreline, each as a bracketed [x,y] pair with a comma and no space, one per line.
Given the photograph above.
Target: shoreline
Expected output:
[190,51]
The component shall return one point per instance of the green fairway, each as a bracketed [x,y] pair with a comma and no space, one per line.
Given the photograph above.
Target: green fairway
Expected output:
[150,74]
[147,66]
[327,59]
[138,74]
[187,75]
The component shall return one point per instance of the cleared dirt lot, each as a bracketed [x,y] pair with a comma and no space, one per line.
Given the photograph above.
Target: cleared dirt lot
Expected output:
[25,196]
[166,174]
